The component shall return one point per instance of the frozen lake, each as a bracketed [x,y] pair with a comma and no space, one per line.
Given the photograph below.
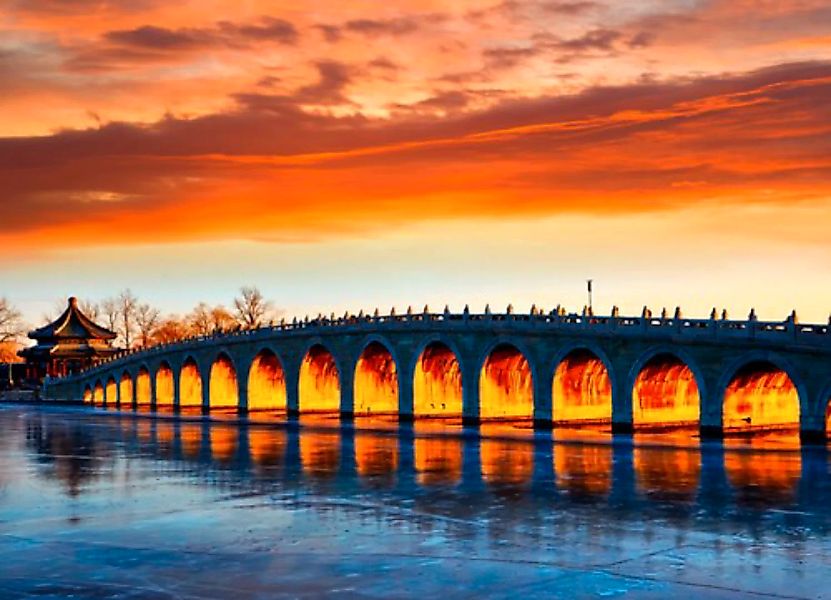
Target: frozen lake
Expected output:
[109,505]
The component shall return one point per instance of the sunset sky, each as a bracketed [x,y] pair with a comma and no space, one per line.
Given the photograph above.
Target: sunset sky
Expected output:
[347,155]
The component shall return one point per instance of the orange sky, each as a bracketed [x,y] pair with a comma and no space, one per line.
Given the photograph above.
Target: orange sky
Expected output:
[679,152]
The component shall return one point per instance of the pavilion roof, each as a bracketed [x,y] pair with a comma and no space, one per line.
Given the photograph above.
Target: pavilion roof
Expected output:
[72,324]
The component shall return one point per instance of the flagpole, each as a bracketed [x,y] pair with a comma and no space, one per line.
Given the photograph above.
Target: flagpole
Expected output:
[589,283]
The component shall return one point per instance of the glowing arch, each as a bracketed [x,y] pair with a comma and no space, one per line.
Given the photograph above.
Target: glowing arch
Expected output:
[223,388]
[144,388]
[319,384]
[266,383]
[760,394]
[581,388]
[506,389]
[190,385]
[111,392]
[125,391]
[437,383]
[665,392]
[376,381]
[164,386]
[98,394]
[87,394]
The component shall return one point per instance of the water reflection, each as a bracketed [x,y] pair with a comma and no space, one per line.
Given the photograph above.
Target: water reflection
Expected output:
[432,454]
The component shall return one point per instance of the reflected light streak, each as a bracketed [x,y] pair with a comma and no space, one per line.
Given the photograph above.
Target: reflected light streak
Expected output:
[376,382]
[505,385]
[319,384]
[671,473]
[764,478]
[583,470]
[267,446]
[223,388]
[761,395]
[375,455]
[437,384]
[266,383]
[438,459]
[320,453]
[190,386]
[191,436]
[582,390]
[224,441]
[665,393]
[506,462]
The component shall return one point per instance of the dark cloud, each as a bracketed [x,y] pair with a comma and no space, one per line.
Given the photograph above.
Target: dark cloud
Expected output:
[75,7]
[596,39]
[150,43]
[380,27]
[773,118]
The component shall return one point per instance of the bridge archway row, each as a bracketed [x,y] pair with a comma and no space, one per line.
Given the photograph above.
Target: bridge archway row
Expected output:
[500,377]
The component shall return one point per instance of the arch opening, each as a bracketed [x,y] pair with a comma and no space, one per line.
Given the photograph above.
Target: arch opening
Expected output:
[505,385]
[190,385]
[582,389]
[319,384]
[665,393]
[87,395]
[376,382]
[125,391]
[437,383]
[98,394]
[760,396]
[223,388]
[164,386]
[266,383]
[111,392]
[144,391]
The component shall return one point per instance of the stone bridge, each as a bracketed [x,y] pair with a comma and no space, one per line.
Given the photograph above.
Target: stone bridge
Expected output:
[553,368]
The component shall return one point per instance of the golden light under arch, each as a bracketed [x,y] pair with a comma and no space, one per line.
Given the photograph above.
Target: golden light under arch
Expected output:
[266,383]
[319,382]
[98,394]
[190,385]
[223,387]
[581,389]
[665,392]
[506,388]
[87,395]
[111,392]
[125,391]
[376,382]
[437,383]
[144,388]
[760,395]
[164,386]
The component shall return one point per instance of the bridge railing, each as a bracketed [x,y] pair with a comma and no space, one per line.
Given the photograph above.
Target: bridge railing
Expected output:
[789,331]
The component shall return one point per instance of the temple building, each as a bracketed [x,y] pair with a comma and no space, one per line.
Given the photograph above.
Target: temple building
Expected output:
[72,342]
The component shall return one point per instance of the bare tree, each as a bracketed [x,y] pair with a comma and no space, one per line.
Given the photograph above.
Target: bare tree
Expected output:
[90,308]
[11,322]
[199,319]
[109,313]
[221,319]
[251,308]
[147,318]
[169,330]
[127,308]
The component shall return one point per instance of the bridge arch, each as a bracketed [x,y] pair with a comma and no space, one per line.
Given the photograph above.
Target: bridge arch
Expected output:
[144,387]
[437,379]
[666,386]
[506,381]
[223,387]
[111,392]
[761,390]
[190,384]
[87,398]
[267,381]
[98,393]
[165,387]
[125,390]
[376,382]
[582,384]
[825,408]
[319,385]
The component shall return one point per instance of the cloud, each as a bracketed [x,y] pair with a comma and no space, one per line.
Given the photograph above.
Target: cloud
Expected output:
[270,169]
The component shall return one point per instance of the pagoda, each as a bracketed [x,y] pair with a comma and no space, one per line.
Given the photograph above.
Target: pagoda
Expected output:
[71,343]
